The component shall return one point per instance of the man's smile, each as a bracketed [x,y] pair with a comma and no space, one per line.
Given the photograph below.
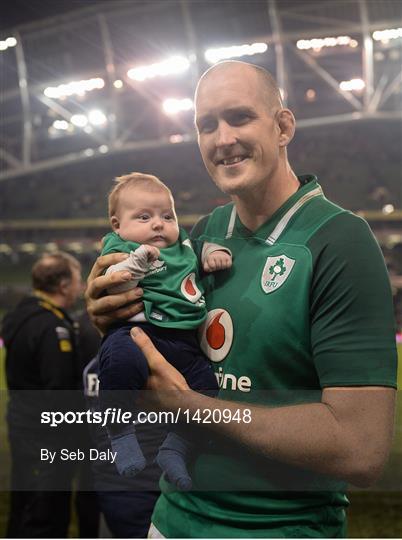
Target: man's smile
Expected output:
[232,161]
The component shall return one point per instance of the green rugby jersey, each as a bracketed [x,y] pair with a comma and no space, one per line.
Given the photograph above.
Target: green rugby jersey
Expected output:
[306,305]
[173,295]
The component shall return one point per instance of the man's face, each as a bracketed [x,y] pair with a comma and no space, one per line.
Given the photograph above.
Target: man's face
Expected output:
[147,217]
[237,132]
[74,288]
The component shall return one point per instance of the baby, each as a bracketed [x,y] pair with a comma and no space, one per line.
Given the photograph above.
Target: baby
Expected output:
[144,222]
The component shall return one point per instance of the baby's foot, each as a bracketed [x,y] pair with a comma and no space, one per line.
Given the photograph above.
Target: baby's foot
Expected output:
[171,459]
[129,457]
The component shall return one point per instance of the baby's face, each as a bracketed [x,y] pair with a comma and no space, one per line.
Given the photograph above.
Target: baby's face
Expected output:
[146,217]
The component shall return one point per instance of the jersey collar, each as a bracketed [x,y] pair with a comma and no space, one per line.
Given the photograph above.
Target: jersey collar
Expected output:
[271,230]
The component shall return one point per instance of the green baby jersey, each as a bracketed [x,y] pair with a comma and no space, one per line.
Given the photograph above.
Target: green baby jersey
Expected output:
[305,305]
[173,296]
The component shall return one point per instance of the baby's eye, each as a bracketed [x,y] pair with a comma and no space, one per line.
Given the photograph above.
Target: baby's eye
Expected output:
[168,217]
[143,217]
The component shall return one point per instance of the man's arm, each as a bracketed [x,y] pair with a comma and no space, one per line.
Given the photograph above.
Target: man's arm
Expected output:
[348,435]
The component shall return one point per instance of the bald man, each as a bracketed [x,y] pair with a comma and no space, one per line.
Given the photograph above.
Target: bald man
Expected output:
[300,332]
[41,365]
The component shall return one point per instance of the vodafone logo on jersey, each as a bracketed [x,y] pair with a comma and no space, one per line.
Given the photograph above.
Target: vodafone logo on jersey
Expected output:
[217,334]
[189,288]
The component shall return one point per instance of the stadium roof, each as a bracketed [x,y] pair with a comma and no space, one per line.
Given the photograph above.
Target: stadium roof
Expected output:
[86,82]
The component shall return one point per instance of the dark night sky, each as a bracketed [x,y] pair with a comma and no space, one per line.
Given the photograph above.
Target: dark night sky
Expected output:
[17,12]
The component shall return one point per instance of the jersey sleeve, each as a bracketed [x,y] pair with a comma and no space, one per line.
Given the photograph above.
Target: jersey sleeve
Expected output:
[137,264]
[352,322]
[195,234]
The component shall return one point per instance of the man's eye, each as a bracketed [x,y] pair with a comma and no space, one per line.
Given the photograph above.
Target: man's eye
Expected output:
[207,127]
[239,118]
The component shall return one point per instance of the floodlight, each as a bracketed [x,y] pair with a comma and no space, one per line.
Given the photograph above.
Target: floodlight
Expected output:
[118,84]
[311,94]
[78,88]
[97,117]
[61,124]
[51,246]
[386,35]
[103,149]
[171,66]
[5,249]
[76,247]
[173,106]
[6,43]
[79,120]
[318,43]
[353,84]
[11,42]
[51,92]
[234,51]
[28,247]
[175,139]
[388,209]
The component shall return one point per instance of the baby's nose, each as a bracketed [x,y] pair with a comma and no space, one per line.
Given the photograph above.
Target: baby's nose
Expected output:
[157,223]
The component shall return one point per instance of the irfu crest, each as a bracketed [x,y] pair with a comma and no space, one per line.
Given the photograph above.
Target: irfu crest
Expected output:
[276,272]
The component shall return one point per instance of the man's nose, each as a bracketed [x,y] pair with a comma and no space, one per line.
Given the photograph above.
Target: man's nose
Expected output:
[225,135]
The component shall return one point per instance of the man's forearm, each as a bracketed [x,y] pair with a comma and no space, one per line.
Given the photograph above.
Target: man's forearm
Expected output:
[310,436]
[347,435]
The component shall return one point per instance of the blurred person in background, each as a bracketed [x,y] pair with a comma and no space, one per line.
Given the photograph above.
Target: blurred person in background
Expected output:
[42,359]
[126,503]
[300,330]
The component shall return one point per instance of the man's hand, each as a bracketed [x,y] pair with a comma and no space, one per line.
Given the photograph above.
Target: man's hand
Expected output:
[167,384]
[217,260]
[104,310]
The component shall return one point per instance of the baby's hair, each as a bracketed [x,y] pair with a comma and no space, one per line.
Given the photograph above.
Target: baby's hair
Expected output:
[134,179]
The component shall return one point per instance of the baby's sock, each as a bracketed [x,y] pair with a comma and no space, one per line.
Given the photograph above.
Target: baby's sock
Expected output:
[172,457]
[129,457]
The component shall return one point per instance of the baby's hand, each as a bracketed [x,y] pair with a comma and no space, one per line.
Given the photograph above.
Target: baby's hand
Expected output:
[217,260]
[152,252]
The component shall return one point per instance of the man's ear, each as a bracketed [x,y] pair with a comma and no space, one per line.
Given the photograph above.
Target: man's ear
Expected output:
[64,286]
[287,125]
[114,221]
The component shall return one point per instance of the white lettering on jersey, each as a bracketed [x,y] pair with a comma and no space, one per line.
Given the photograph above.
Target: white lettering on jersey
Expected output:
[92,388]
[228,381]
[156,267]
